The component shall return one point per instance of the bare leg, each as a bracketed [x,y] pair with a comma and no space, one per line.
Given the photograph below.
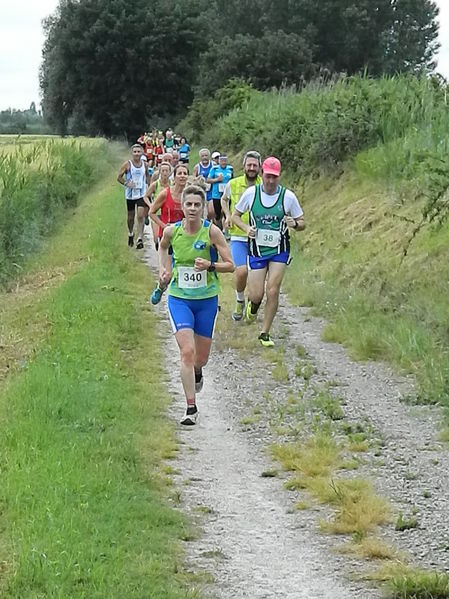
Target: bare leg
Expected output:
[241,278]
[256,285]
[140,221]
[276,273]
[202,351]
[186,343]
[210,211]
[130,220]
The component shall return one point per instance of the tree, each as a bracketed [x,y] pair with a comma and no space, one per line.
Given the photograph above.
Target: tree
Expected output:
[109,66]
[270,43]
[274,59]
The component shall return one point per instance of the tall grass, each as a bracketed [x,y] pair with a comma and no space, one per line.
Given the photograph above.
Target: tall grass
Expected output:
[38,182]
[370,161]
[329,122]
[84,496]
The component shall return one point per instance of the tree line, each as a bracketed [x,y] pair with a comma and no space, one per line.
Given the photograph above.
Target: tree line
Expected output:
[111,67]
[30,121]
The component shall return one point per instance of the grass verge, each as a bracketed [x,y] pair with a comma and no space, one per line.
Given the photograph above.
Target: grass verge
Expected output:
[84,497]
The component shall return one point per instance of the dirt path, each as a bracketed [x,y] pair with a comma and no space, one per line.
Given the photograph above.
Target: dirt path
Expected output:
[253,541]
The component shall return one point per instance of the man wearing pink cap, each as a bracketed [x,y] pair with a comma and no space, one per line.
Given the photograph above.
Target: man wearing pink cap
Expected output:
[274,211]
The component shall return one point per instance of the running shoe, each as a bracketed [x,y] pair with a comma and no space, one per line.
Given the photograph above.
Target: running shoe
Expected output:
[239,308]
[139,244]
[131,240]
[156,296]
[266,340]
[250,317]
[147,221]
[190,417]
[199,381]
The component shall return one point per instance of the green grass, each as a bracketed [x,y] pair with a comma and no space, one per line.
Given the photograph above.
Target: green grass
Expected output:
[351,270]
[39,183]
[368,159]
[85,494]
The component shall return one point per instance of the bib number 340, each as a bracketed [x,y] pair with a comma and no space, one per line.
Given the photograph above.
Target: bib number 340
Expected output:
[189,278]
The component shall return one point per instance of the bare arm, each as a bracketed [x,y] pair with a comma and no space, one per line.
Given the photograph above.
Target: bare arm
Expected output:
[215,179]
[158,203]
[295,224]
[165,263]
[225,204]
[149,192]
[121,174]
[237,220]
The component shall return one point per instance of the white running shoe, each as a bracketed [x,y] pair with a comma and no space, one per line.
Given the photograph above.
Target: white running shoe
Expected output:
[190,417]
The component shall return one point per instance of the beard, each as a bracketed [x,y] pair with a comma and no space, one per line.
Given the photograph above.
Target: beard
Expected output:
[251,176]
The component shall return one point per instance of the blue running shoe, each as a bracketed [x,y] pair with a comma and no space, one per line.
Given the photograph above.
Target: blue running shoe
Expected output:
[156,296]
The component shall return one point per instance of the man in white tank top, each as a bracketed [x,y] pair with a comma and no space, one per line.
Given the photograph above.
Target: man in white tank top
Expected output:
[133,175]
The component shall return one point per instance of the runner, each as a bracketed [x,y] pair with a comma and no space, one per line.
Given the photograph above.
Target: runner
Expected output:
[153,191]
[184,151]
[218,178]
[191,274]
[159,150]
[215,158]
[134,177]
[273,210]
[239,239]
[169,141]
[169,202]
[202,169]
[175,158]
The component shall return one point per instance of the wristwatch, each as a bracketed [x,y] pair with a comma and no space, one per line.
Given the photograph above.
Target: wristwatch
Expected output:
[211,267]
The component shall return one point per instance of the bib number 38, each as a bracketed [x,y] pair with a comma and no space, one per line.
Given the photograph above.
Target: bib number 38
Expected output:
[268,238]
[189,278]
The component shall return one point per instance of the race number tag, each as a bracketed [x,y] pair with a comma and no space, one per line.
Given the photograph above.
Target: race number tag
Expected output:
[268,238]
[137,187]
[221,187]
[189,278]
[183,155]
[208,186]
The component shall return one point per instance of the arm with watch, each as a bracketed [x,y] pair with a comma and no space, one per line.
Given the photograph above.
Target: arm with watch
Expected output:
[219,242]
[295,224]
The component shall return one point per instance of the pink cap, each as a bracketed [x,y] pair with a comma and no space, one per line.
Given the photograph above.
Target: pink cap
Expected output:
[271,166]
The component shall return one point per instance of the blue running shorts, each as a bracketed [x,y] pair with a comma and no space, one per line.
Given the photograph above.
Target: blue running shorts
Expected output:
[196,314]
[239,251]
[257,262]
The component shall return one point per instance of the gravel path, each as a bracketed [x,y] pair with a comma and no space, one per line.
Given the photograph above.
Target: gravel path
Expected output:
[253,541]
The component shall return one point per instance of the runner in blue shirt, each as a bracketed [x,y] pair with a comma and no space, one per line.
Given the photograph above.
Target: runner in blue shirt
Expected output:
[184,151]
[218,177]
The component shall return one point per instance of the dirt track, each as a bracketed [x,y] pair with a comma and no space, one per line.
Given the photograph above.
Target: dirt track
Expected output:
[253,542]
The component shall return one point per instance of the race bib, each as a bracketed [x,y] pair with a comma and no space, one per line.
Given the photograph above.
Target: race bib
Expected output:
[183,154]
[189,278]
[268,238]
[208,186]
[221,187]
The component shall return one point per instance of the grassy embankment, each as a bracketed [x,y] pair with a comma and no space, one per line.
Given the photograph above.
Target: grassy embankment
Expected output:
[85,493]
[369,160]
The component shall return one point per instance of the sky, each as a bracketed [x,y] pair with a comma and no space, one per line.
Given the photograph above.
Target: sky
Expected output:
[21,40]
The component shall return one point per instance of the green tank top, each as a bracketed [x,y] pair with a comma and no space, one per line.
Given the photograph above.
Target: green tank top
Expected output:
[187,283]
[237,187]
[271,231]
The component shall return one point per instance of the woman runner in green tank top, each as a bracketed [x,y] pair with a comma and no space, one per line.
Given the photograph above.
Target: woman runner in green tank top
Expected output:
[193,286]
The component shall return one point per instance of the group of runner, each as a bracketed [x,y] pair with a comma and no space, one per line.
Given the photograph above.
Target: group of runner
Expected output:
[155,144]
[257,213]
